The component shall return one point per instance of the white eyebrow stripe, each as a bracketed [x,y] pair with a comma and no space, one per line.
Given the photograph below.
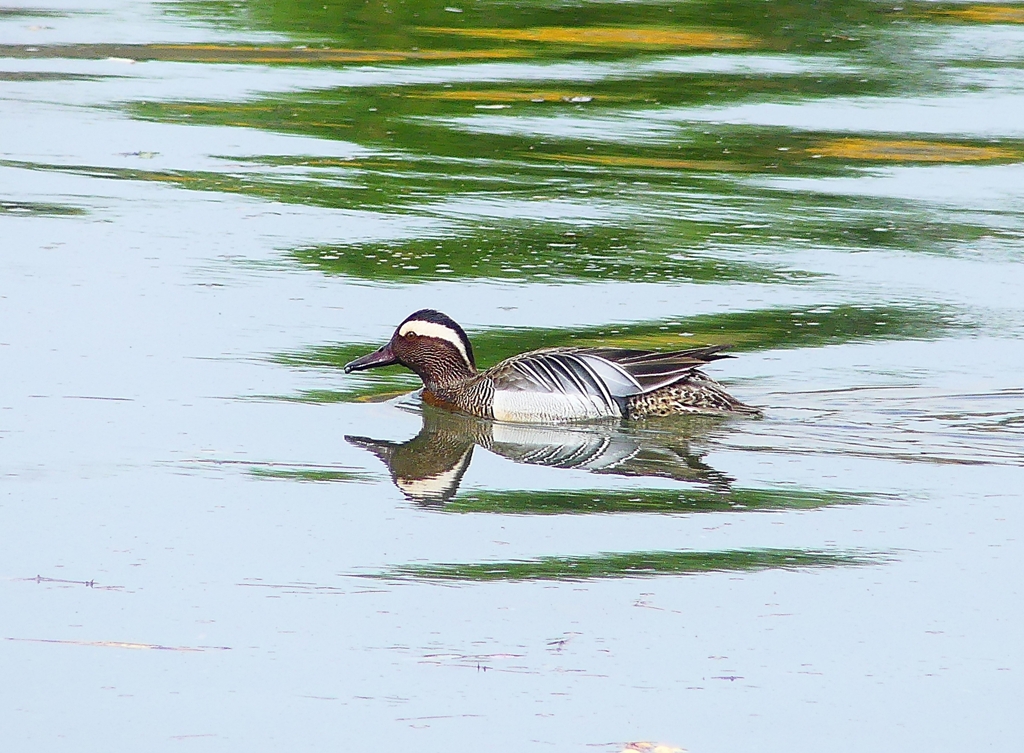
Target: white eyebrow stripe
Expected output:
[433,329]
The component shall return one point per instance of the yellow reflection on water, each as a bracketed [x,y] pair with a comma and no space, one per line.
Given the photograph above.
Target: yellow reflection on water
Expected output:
[610,36]
[987,14]
[910,151]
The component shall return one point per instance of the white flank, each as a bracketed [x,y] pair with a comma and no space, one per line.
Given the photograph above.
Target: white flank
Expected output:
[540,407]
[433,329]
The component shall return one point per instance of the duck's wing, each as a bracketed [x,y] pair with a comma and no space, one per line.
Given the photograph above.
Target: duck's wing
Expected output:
[559,384]
[652,370]
[567,371]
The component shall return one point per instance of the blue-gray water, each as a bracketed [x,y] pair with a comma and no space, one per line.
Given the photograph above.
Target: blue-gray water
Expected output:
[206,207]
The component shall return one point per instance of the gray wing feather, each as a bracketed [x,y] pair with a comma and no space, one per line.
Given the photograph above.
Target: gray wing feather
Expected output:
[571,372]
[536,376]
[607,375]
[620,383]
[652,370]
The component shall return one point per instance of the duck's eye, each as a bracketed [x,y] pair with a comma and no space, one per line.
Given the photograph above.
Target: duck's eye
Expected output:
[411,335]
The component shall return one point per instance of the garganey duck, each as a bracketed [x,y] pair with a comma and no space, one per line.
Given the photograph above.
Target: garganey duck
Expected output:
[554,384]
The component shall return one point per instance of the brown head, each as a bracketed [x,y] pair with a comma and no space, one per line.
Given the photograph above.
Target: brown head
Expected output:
[430,344]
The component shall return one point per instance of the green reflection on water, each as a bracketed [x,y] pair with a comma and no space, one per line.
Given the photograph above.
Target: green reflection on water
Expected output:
[308,473]
[50,76]
[781,25]
[635,565]
[560,502]
[433,141]
[427,154]
[241,53]
[541,252]
[34,208]
[658,205]
[6,13]
[764,329]
[401,117]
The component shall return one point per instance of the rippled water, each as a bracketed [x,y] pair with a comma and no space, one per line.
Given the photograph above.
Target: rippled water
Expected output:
[213,539]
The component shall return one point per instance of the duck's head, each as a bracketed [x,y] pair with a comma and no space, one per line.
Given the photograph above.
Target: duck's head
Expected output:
[427,342]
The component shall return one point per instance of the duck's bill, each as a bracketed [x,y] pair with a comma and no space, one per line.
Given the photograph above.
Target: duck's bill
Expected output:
[380,357]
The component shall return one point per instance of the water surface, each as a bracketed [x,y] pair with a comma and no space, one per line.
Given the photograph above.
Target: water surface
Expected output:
[215,539]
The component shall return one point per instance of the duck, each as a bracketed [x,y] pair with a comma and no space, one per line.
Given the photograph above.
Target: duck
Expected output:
[552,385]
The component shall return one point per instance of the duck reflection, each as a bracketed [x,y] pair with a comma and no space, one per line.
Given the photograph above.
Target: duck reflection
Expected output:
[429,467]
